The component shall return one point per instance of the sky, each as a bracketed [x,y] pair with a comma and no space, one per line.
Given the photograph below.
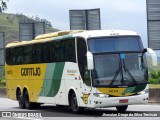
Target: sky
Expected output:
[115,14]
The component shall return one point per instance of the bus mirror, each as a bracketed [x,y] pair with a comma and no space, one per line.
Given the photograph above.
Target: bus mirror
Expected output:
[153,56]
[90,64]
[145,50]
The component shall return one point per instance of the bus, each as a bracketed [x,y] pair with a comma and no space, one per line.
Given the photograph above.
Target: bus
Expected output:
[80,69]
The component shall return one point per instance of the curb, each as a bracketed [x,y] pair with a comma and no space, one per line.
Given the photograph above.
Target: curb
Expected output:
[154,95]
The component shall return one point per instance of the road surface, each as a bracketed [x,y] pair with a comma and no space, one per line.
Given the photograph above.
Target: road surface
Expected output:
[49,112]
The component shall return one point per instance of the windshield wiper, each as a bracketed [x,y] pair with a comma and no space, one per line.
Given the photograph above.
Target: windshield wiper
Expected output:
[126,70]
[122,67]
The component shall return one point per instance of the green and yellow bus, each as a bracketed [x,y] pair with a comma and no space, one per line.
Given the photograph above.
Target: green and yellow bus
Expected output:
[80,69]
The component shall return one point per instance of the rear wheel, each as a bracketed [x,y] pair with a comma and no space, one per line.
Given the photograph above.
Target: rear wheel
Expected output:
[122,108]
[26,100]
[74,104]
[20,100]
[29,105]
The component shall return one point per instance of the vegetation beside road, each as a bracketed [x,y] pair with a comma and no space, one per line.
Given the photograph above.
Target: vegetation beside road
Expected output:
[9,24]
[2,83]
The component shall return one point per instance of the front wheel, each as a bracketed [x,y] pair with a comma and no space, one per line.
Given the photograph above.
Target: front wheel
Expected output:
[74,104]
[122,108]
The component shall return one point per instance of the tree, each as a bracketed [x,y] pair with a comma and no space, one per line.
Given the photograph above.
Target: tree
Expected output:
[3,4]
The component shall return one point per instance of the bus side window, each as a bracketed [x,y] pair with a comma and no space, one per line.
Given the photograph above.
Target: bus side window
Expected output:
[46,53]
[70,55]
[19,55]
[57,51]
[9,56]
[27,54]
[36,54]
[82,60]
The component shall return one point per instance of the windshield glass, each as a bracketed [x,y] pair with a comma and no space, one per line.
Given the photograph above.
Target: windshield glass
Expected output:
[123,69]
[115,44]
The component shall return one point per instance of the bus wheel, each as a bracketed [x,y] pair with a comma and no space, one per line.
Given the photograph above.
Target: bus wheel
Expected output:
[20,100]
[122,108]
[74,105]
[26,100]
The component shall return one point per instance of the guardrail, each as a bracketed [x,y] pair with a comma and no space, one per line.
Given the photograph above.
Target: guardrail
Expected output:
[154,94]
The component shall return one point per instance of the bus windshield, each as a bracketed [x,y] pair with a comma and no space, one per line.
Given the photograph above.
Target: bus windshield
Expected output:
[120,69]
[118,61]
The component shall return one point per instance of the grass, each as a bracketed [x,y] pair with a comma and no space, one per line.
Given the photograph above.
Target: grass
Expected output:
[154,86]
[2,83]
[9,24]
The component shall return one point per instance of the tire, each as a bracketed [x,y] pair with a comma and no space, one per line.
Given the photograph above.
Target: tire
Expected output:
[26,100]
[30,105]
[122,108]
[74,105]
[20,100]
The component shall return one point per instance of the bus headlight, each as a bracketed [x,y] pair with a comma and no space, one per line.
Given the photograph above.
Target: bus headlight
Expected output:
[101,95]
[146,91]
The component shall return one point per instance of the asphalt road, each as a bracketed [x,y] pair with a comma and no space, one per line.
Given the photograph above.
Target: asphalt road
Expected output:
[138,112]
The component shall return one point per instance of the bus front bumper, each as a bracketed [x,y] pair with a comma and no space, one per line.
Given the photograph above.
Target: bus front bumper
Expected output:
[120,101]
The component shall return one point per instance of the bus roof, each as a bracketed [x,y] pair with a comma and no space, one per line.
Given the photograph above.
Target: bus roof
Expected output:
[73,33]
[44,38]
[97,33]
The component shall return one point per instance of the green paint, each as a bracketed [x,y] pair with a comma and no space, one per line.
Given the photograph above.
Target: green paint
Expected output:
[48,79]
[129,89]
[139,88]
[56,80]
[52,79]
[135,89]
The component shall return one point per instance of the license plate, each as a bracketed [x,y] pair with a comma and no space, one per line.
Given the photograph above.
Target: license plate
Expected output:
[123,101]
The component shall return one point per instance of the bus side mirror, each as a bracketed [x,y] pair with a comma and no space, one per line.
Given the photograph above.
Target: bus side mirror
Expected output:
[153,56]
[90,63]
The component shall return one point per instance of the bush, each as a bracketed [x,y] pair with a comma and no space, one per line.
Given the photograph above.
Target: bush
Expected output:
[154,74]
[155,82]
[0,81]
[158,81]
[154,77]
[151,80]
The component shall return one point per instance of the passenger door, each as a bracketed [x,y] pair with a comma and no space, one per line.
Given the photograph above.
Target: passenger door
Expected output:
[85,82]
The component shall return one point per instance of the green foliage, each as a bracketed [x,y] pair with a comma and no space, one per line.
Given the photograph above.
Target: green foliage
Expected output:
[154,74]
[159,81]
[154,77]
[9,24]
[2,83]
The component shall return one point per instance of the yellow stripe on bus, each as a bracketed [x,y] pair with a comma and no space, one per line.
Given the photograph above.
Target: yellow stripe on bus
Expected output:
[114,91]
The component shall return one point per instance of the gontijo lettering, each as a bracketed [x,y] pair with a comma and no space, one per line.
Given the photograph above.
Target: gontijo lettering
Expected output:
[31,71]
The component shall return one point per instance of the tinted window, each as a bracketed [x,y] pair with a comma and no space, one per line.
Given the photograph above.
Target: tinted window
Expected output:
[36,54]
[54,51]
[82,60]
[46,51]
[27,54]
[115,44]
[57,52]
[69,47]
